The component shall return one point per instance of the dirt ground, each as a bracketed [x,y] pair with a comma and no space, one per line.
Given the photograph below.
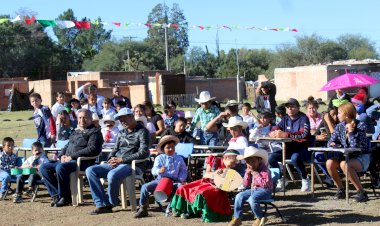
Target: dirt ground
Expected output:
[298,209]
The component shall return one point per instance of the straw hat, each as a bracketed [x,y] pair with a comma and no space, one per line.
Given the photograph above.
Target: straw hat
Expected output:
[235,121]
[166,139]
[232,103]
[204,97]
[254,152]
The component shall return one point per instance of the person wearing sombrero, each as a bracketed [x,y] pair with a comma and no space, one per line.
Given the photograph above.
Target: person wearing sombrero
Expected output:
[166,165]
[258,184]
[109,130]
[200,197]
[204,114]
[238,141]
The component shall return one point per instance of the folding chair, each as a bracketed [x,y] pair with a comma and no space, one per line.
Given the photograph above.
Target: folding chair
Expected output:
[275,174]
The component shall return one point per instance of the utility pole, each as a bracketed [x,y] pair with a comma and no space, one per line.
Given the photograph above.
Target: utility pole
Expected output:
[166,48]
[129,61]
[238,75]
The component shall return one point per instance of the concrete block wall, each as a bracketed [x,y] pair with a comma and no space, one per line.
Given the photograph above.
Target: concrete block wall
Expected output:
[44,88]
[19,83]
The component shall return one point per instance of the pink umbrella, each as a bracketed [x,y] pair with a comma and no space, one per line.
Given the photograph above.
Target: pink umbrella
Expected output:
[349,80]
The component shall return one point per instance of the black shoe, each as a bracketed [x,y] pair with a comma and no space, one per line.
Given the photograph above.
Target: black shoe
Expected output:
[54,201]
[143,212]
[62,202]
[340,194]
[361,196]
[100,210]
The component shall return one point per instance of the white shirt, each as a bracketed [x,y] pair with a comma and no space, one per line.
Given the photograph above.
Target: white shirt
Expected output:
[249,119]
[56,109]
[42,159]
[93,109]
[108,111]
[114,132]
[99,99]
[238,144]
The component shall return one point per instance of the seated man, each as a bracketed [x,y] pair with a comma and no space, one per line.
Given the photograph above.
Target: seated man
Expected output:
[132,143]
[294,125]
[85,141]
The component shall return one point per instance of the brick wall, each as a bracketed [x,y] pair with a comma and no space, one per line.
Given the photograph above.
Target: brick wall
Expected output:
[19,83]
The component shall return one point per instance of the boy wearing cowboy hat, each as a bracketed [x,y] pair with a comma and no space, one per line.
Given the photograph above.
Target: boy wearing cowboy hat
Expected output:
[169,165]
[109,130]
[258,178]
[204,114]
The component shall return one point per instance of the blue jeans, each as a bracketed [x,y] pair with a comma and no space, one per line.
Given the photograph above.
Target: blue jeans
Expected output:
[296,159]
[57,177]
[320,160]
[5,177]
[114,177]
[207,138]
[253,196]
[149,188]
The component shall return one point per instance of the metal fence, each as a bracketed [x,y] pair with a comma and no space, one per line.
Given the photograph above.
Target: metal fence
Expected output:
[182,100]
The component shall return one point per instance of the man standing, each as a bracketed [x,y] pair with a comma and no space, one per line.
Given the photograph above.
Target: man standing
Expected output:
[86,141]
[118,97]
[132,143]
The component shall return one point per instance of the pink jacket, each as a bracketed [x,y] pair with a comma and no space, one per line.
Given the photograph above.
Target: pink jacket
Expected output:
[262,178]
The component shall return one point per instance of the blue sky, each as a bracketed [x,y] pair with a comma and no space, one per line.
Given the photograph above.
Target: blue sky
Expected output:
[328,18]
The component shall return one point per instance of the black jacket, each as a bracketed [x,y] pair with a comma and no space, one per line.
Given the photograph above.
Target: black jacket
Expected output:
[259,101]
[183,137]
[84,143]
[132,145]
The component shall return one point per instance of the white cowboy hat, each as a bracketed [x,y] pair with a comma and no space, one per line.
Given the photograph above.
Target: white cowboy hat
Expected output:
[189,114]
[142,119]
[254,152]
[235,121]
[204,97]
[231,103]
[165,139]
[107,118]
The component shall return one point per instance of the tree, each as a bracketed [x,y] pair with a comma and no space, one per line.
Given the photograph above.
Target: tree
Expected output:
[177,37]
[358,47]
[82,43]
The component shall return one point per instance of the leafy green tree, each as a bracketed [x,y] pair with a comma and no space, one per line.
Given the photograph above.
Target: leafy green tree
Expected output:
[358,47]
[177,37]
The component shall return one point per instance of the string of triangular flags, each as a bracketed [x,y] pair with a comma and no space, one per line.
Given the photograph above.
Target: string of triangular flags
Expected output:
[65,24]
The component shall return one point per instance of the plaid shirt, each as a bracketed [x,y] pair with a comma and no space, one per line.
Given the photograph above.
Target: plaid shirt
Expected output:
[7,161]
[204,116]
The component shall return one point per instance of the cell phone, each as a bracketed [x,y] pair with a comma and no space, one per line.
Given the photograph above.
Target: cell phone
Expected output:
[323,130]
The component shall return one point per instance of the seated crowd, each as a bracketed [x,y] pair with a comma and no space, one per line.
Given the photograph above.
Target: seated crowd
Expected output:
[94,121]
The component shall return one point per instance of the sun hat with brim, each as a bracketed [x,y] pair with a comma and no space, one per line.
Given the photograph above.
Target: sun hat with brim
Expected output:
[165,139]
[235,121]
[107,118]
[254,152]
[232,103]
[292,101]
[122,112]
[189,114]
[204,97]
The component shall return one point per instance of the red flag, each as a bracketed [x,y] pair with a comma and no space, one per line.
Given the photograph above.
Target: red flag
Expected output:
[82,24]
[174,25]
[294,30]
[148,25]
[30,21]
[201,27]
[274,29]
[227,27]
[117,23]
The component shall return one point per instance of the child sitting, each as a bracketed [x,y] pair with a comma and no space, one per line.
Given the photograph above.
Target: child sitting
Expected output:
[179,131]
[107,108]
[65,126]
[7,161]
[280,112]
[109,130]
[248,116]
[258,179]
[168,165]
[263,128]
[171,117]
[201,196]
[93,106]
[33,161]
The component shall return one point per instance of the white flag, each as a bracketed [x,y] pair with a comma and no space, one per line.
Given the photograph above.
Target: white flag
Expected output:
[65,23]
[18,18]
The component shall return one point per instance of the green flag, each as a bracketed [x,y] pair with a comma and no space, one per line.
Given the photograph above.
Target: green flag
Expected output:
[3,20]
[47,23]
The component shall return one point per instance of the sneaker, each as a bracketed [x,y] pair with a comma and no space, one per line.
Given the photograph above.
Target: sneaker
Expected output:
[143,212]
[234,222]
[260,222]
[101,210]
[305,185]
[185,216]
[361,196]
[339,194]
[280,185]
[29,193]
[17,198]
